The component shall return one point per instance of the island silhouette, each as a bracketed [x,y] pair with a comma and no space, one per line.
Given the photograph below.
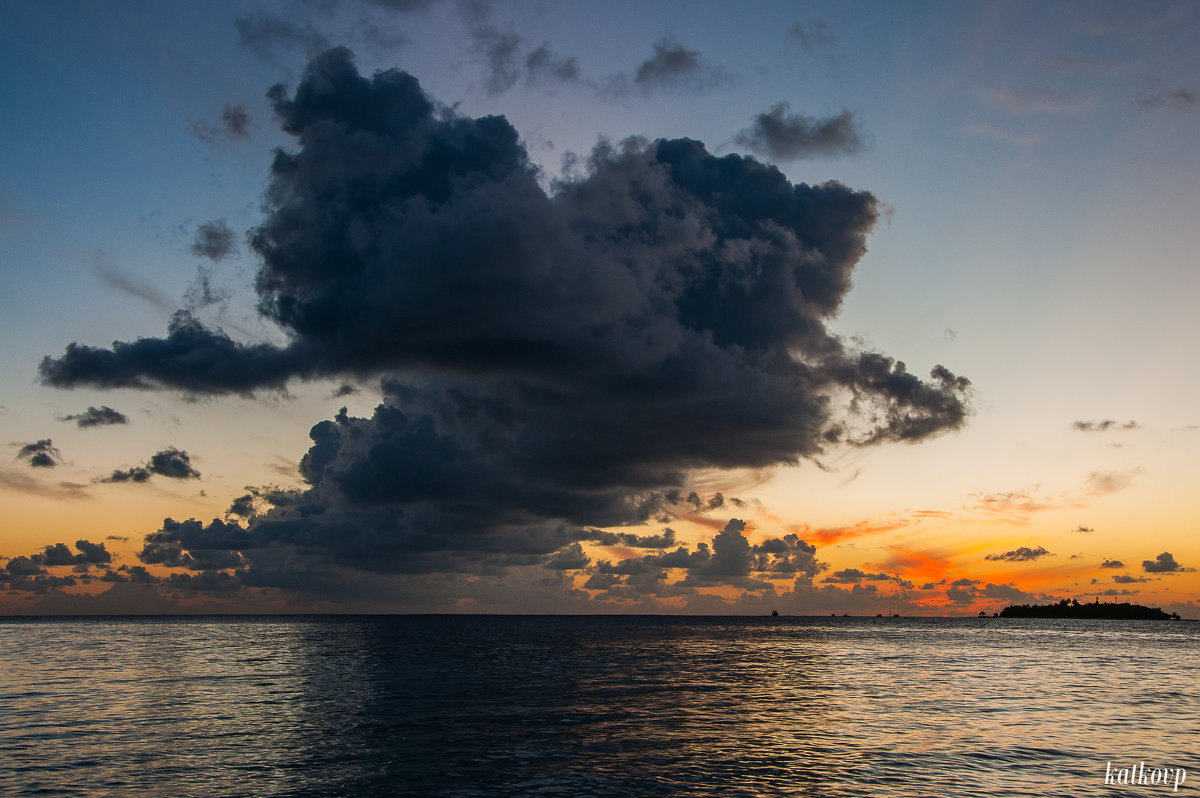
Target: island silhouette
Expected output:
[1071,608]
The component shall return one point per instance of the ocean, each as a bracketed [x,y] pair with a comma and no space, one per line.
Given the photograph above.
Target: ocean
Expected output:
[596,706]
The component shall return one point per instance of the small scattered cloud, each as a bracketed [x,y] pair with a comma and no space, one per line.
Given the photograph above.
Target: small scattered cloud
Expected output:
[1164,564]
[674,68]
[1022,554]
[1082,528]
[995,133]
[345,389]
[1126,579]
[114,278]
[780,134]
[543,64]
[23,483]
[41,454]
[1025,102]
[273,37]
[1090,64]
[97,417]
[1112,564]
[1178,100]
[1102,482]
[811,35]
[234,125]
[1104,425]
[214,240]
[170,462]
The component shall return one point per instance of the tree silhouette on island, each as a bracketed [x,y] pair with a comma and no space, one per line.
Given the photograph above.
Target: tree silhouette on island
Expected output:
[1071,608]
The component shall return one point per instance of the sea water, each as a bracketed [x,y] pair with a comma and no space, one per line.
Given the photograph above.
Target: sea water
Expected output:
[594,706]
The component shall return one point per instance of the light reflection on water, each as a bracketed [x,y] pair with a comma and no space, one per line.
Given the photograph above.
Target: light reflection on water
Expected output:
[476,705]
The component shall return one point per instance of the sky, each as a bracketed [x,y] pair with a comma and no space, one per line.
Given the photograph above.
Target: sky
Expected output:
[667,307]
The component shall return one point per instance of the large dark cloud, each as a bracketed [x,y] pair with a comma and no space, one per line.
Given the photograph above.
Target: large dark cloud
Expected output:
[550,362]
[778,133]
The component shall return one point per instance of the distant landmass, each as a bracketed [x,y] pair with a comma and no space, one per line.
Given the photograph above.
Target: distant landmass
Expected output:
[1070,608]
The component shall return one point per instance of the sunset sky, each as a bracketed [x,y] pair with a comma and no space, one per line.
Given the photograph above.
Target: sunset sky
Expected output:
[650,307]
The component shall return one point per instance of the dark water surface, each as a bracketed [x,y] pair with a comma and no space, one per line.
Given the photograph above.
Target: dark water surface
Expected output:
[593,706]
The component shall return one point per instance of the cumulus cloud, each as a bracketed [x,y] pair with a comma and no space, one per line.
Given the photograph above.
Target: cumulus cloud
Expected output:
[97,417]
[214,240]
[41,454]
[549,362]
[1164,564]
[1022,554]
[778,133]
[1112,564]
[32,574]
[1126,579]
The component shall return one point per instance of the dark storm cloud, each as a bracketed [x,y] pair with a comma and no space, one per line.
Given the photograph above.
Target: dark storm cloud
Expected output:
[272,37]
[549,362]
[777,133]
[1112,564]
[1103,425]
[170,462]
[41,454]
[214,240]
[1164,564]
[810,35]
[97,417]
[234,125]
[1022,554]
[1179,100]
